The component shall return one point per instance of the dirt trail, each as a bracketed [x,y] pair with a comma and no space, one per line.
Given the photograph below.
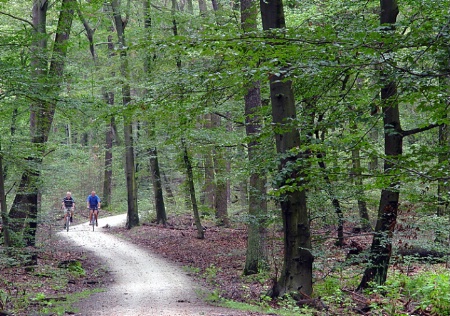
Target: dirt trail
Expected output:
[143,283]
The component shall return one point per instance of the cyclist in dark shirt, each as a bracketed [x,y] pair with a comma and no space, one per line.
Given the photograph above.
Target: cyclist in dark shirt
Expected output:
[68,203]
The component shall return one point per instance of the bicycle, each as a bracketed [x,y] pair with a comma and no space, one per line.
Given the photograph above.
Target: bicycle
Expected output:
[93,220]
[68,214]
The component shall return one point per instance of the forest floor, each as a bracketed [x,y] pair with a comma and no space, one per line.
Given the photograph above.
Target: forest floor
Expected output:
[65,275]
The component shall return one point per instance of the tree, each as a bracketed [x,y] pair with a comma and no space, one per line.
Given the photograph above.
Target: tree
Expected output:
[130,171]
[47,74]
[4,230]
[257,204]
[296,274]
[381,249]
[155,175]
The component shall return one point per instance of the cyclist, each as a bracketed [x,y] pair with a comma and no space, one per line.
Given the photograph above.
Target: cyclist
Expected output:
[93,204]
[68,203]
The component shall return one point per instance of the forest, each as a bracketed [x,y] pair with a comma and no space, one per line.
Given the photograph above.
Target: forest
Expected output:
[318,127]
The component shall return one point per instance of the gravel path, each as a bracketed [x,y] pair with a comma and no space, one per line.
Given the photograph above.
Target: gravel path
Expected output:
[143,283]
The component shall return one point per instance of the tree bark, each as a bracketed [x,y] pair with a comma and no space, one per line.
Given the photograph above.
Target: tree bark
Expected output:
[257,204]
[362,205]
[130,170]
[48,78]
[190,182]
[108,97]
[296,274]
[381,249]
[4,229]
[220,188]
[161,216]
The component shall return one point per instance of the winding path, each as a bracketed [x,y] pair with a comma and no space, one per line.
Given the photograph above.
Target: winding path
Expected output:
[143,283]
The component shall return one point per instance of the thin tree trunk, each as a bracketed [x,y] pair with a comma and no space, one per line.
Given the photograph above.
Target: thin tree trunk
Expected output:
[108,97]
[257,204]
[334,201]
[4,212]
[130,171]
[157,187]
[209,191]
[202,7]
[220,192]
[161,216]
[357,177]
[443,188]
[190,181]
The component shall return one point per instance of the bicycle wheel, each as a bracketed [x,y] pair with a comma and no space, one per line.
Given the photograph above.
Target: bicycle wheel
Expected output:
[67,221]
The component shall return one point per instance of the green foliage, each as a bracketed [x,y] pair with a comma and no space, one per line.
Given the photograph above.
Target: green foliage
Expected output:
[211,273]
[76,268]
[429,290]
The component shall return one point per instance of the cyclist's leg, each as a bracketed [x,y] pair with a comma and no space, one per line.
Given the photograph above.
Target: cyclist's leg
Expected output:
[71,214]
[91,213]
[65,215]
[96,216]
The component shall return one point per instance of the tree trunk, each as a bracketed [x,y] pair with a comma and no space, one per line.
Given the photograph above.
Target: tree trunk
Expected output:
[443,186]
[220,192]
[130,170]
[357,177]
[202,7]
[4,229]
[257,204]
[161,216]
[190,182]
[380,252]
[109,97]
[25,205]
[107,180]
[209,191]
[296,274]
[362,205]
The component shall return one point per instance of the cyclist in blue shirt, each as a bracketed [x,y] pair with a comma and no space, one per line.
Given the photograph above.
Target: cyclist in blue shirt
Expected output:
[93,204]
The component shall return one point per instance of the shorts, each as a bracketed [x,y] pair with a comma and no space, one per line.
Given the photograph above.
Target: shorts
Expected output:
[93,208]
[68,208]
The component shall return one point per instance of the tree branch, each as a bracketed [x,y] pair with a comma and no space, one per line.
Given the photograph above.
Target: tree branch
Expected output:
[19,19]
[420,129]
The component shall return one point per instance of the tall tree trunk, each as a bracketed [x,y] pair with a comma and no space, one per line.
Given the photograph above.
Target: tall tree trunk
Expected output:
[357,177]
[130,170]
[381,249]
[25,205]
[108,97]
[220,193]
[334,201]
[107,180]
[3,211]
[443,188]
[296,274]
[190,182]
[209,191]
[161,216]
[257,203]
[110,136]
[202,7]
